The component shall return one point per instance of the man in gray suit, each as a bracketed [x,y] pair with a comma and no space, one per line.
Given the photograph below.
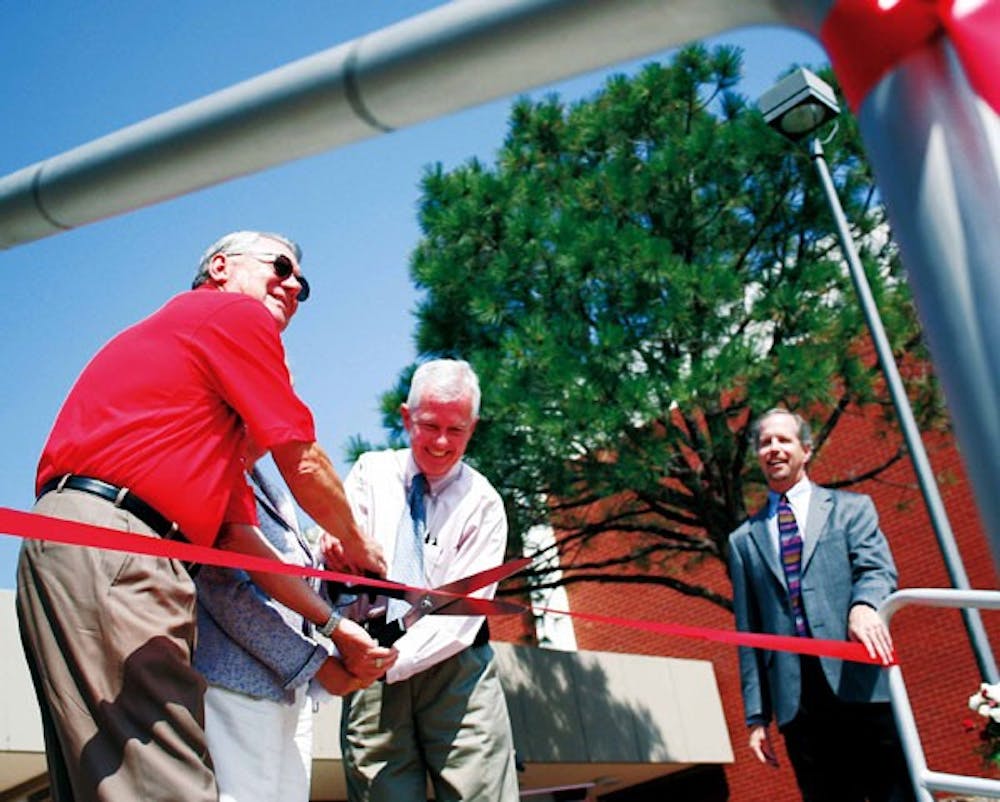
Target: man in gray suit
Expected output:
[814,563]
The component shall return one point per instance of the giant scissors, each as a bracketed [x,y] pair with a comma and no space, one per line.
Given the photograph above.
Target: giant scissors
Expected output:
[449,599]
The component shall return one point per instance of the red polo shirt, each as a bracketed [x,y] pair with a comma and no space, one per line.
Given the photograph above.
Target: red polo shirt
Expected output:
[161,410]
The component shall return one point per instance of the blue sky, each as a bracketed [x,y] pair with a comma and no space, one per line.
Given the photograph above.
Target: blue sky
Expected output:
[71,72]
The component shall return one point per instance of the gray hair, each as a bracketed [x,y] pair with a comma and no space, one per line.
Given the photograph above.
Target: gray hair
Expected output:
[238,242]
[444,380]
[804,431]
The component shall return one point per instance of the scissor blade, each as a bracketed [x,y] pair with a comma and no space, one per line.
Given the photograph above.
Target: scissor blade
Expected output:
[450,599]
[474,606]
[435,597]
[429,604]
[483,578]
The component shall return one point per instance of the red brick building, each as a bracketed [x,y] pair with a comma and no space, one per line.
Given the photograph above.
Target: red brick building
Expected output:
[938,664]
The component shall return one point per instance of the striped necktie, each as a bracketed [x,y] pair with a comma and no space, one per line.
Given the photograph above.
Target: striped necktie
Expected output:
[791,561]
[408,558]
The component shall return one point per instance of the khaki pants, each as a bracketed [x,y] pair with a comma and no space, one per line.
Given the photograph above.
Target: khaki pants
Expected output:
[448,723]
[108,637]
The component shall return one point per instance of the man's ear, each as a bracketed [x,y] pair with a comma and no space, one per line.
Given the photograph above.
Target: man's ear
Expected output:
[219,269]
[809,453]
[404,413]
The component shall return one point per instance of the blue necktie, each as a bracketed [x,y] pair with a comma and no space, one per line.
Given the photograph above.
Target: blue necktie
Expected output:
[408,558]
[791,561]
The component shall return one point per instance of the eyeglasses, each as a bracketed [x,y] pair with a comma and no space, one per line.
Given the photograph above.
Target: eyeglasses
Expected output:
[283,268]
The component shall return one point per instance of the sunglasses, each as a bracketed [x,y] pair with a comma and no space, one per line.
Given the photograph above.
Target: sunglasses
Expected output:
[283,268]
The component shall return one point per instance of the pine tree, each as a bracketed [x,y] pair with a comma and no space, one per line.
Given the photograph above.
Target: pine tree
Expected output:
[637,276]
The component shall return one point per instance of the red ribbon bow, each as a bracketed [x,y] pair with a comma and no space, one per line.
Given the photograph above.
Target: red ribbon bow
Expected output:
[866,39]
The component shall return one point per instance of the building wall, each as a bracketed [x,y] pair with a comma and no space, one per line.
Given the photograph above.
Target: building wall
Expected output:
[579,719]
[932,646]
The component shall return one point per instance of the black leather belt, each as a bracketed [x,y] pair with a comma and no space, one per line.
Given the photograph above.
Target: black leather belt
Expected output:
[120,497]
[387,634]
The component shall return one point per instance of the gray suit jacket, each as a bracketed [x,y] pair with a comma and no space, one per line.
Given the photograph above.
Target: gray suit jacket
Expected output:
[846,560]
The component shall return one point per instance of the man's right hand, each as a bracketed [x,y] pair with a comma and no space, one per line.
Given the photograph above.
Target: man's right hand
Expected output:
[760,745]
[866,626]
[361,654]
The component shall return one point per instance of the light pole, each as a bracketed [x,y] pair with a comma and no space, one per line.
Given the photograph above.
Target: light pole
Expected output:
[795,107]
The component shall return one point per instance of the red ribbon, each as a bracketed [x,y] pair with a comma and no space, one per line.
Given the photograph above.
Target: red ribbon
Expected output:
[74,533]
[42,527]
[841,649]
[866,39]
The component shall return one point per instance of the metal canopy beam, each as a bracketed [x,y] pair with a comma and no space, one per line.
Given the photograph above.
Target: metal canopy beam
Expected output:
[449,58]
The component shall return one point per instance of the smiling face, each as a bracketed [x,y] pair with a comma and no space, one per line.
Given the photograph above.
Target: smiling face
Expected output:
[780,452]
[252,273]
[439,433]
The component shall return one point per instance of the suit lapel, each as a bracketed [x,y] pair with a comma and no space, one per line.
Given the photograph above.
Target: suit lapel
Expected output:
[820,504]
[762,540]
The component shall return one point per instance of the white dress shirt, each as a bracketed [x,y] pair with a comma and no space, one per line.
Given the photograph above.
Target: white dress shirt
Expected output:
[467,533]
[798,499]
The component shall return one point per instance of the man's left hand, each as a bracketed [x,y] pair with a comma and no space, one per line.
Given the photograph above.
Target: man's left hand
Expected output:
[865,626]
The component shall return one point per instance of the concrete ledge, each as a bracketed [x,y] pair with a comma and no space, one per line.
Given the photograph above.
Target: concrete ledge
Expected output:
[579,718]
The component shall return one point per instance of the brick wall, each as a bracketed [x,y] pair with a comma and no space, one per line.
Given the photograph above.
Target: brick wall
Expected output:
[932,645]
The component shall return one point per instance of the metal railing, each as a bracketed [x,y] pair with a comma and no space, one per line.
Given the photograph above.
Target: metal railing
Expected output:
[924,780]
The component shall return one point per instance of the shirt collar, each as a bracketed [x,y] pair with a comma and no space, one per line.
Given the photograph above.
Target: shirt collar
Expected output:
[435,486]
[797,491]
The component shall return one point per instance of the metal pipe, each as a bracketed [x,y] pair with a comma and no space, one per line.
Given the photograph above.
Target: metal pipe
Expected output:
[909,737]
[907,423]
[934,145]
[925,781]
[961,784]
[451,57]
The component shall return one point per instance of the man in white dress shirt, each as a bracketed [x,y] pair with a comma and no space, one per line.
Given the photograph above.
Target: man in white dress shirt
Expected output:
[440,713]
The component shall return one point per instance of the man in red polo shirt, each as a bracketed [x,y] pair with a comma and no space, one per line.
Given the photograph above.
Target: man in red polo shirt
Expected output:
[150,440]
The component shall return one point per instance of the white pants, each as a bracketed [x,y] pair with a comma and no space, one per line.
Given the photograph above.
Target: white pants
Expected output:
[262,750]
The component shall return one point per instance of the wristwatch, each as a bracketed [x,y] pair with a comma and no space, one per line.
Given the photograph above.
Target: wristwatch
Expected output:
[331,623]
